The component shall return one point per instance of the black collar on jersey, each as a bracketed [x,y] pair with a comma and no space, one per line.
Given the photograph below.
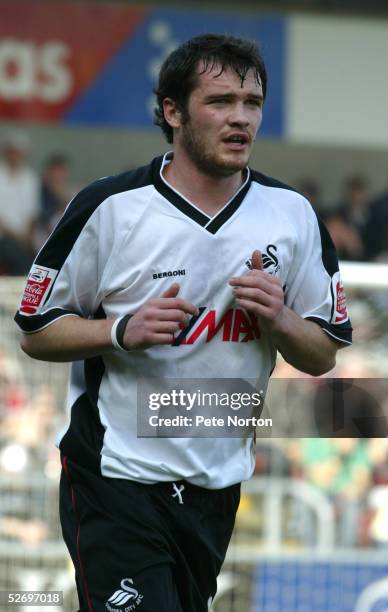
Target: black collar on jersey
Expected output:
[211,224]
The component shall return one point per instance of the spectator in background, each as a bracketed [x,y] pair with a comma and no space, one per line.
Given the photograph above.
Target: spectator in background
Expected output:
[310,189]
[26,437]
[341,468]
[378,496]
[55,193]
[19,207]
[344,407]
[376,229]
[346,222]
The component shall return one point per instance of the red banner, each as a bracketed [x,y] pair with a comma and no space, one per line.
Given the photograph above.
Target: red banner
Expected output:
[51,52]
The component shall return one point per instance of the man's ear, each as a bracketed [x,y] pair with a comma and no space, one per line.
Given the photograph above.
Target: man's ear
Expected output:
[172,114]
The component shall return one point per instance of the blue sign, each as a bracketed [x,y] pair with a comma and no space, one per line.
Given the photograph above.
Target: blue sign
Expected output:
[121,95]
[321,586]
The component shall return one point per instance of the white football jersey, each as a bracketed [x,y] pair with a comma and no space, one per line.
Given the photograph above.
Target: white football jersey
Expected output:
[124,240]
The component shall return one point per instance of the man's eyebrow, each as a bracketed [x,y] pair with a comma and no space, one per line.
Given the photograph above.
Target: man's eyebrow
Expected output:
[257,97]
[250,96]
[220,94]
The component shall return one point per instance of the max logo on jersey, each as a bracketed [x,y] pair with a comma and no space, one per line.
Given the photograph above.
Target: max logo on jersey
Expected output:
[269,260]
[39,282]
[124,595]
[235,325]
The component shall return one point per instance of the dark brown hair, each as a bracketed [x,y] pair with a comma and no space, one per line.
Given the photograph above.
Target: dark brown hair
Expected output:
[178,74]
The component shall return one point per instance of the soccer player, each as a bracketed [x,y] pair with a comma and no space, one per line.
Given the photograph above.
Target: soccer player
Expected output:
[194,266]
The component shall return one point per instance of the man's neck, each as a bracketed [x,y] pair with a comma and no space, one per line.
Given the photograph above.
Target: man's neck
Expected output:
[208,193]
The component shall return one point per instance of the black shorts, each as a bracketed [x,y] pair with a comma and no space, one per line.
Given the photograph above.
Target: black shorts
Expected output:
[151,548]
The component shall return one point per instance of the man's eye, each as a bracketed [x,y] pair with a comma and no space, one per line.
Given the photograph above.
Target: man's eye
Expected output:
[257,103]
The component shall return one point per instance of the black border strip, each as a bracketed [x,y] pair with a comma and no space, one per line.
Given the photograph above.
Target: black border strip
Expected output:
[229,210]
[37,322]
[342,332]
[180,203]
[211,225]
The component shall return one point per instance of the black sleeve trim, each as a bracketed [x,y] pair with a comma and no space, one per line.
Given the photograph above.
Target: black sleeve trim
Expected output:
[55,251]
[329,255]
[58,246]
[269,181]
[30,325]
[342,333]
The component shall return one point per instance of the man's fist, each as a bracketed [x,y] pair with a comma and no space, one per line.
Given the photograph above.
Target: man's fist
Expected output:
[158,320]
[260,293]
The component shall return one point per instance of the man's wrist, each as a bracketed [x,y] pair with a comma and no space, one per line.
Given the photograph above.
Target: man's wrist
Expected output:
[281,326]
[118,331]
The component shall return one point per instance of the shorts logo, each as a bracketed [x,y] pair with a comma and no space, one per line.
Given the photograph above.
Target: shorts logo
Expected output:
[340,312]
[37,288]
[124,595]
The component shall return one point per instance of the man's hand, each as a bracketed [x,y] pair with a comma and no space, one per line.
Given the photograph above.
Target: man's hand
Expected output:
[158,320]
[72,337]
[302,343]
[261,294]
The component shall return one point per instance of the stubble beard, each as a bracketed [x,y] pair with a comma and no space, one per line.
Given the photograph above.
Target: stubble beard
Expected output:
[205,160]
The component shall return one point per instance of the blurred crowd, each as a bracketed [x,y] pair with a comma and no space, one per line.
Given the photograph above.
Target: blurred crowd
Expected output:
[350,473]
[358,223]
[29,419]
[32,203]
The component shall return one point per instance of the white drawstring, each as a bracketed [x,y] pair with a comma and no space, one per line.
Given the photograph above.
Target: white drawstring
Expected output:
[178,492]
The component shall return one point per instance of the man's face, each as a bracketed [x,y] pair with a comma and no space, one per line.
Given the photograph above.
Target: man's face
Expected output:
[14,156]
[223,115]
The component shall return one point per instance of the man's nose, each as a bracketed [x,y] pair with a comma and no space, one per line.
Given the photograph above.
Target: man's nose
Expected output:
[239,115]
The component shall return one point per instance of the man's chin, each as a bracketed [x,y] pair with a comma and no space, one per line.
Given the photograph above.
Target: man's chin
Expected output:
[221,164]
[230,165]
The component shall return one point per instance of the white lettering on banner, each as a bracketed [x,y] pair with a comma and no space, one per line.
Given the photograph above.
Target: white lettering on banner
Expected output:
[30,71]
[16,70]
[58,78]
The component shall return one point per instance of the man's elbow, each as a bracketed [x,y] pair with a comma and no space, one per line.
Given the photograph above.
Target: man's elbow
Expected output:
[322,367]
[29,347]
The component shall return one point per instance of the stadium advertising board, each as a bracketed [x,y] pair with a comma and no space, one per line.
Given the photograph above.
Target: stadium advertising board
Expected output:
[84,63]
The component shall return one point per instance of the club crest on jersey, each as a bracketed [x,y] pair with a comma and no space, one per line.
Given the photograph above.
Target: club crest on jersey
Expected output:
[39,281]
[270,260]
[340,314]
[234,325]
[125,599]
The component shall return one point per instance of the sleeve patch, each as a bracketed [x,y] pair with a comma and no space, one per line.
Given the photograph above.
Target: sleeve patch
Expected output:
[39,282]
[340,314]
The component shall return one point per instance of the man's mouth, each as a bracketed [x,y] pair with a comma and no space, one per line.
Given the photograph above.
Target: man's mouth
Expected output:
[236,141]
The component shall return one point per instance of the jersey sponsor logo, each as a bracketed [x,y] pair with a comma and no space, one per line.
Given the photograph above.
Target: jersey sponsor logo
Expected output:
[122,596]
[36,290]
[169,273]
[340,311]
[235,325]
[269,260]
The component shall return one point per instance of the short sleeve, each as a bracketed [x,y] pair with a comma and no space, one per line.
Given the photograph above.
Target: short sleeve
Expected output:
[314,288]
[65,276]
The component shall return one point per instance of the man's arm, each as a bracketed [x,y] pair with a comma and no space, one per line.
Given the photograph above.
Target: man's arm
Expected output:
[71,337]
[68,339]
[302,343]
